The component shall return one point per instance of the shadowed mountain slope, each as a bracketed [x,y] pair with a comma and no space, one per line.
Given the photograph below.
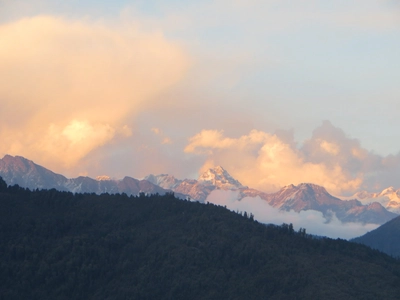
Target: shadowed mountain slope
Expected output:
[25,173]
[385,238]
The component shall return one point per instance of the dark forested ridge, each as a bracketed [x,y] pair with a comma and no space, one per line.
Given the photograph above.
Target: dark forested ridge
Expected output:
[57,245]
[385,238]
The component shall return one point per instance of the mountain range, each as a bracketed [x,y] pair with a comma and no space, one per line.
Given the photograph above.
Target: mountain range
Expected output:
[25,173]
[389,198]
[305,196]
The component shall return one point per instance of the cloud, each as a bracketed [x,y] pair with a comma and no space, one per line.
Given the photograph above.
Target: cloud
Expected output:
[313,221]
[372,169]
[329,147]
[68,86]
[208,139]
[78,137]
[263,161]
[120,78]
[164,139]
[156,131]
[267,162]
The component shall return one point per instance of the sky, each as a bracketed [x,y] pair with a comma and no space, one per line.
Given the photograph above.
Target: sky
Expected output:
[277,92]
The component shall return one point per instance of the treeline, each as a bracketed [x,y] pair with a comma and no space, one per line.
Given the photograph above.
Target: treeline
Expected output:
[60,245]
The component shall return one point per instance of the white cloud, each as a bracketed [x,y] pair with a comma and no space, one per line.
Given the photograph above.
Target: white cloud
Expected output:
[313,221]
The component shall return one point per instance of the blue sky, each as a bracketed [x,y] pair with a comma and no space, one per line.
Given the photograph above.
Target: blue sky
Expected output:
[279,67]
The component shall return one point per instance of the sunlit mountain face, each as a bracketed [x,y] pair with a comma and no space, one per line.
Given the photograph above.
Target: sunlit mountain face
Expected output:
[307,203]
[389,198]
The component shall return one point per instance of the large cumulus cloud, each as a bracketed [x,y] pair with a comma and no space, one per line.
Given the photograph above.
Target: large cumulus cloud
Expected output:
[68,87]
[269,161]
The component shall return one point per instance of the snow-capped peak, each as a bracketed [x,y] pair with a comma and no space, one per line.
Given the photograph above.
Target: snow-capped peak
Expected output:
[163,180]
[103,178]
[387,191]
[389,198]
[220,178]
[361,195]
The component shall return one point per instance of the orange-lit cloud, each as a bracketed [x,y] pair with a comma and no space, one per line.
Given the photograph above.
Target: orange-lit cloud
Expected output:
[330,147]
[68,87]
[164,139]
[268,161]
[263,161]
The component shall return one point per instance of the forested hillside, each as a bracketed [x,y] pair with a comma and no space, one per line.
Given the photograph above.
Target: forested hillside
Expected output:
[59,245]
[385,238]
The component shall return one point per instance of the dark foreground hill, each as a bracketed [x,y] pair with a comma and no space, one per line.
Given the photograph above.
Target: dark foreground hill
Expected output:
[385,238]
[57,245]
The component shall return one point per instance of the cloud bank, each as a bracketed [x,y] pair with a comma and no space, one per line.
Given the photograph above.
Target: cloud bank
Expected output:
[269,161]
[313,221]
[68,87]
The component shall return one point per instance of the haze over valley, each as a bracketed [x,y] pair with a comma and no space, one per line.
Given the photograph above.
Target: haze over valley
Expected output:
[306,205]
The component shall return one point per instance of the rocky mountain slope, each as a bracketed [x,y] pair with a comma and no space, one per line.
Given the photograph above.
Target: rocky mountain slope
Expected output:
[213,178]
[306,196]
[25,173]
[389,198]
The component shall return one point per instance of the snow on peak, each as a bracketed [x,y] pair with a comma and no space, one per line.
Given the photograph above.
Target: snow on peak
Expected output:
[163,180]
[103,178]
[361,195]
[389,198]
[387,191]
[304,187]
[220,178]
[287,187]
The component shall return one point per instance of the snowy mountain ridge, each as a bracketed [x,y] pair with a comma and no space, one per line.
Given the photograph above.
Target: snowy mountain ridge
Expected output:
[220,178]
[163,180]
[389,198]
[305,196]
[25,173]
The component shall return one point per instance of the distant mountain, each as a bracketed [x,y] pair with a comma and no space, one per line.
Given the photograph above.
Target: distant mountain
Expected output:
[306,196]
[385,238]
[220,178]
[165,181]
[389,198]
[213,178]
[25,173]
